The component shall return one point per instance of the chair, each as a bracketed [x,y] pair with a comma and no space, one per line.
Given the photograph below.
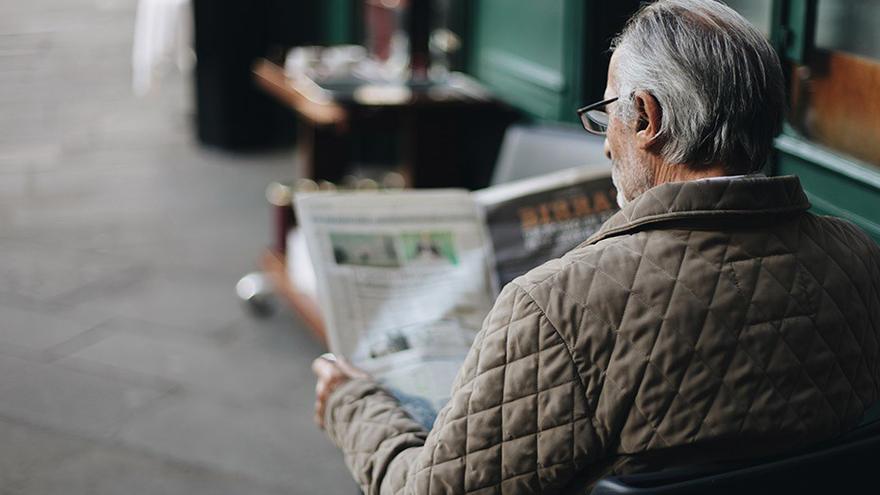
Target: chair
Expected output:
[846,466]
[531,150]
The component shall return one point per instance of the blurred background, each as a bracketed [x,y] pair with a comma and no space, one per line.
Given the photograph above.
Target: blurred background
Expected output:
[149,150]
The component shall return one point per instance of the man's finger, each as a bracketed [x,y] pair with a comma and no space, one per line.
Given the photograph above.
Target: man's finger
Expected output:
[322,367]
[350,369]
[319,414]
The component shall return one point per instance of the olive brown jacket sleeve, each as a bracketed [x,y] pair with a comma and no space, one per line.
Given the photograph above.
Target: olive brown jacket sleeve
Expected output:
[517,420]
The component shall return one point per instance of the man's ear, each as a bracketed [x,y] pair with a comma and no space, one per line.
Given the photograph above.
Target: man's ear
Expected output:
[649,117]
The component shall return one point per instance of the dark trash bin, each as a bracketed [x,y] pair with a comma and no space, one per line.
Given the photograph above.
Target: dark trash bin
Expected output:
[231,112]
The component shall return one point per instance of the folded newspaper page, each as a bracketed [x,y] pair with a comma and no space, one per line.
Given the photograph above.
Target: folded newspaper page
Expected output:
[403,281]
[535,220]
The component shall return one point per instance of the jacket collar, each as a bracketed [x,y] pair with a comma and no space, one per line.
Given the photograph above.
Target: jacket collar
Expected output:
[699,201]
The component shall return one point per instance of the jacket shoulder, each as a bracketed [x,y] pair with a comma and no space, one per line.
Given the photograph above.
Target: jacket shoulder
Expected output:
[846,244]
[844,233]
[583,263]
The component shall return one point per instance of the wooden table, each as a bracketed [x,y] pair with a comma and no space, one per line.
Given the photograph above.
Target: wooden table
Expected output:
[432,120]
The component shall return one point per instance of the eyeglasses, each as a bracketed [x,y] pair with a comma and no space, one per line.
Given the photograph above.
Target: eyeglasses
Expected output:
[595,117]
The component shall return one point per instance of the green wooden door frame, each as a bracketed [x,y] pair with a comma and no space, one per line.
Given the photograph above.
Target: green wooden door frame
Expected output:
[534,76]
[793,31]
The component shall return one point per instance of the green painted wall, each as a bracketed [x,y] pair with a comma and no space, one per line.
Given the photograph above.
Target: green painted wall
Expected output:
[526,52]
[544,57]
[341,22]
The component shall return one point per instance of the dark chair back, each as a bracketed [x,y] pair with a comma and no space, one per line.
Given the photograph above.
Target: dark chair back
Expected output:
[532,150]
[850,465]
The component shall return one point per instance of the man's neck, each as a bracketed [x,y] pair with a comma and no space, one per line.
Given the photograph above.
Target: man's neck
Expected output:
[683,173]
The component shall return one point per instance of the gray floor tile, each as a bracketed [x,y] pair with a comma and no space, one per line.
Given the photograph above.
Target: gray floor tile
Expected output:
[116,325]
[187,300]
[50,462]
[69,400]
[265,443]
[26,448]
[47,273]
[38,330]
[242,374]
[114,471]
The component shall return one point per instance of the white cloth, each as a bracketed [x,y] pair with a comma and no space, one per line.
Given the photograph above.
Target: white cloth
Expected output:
[163,35]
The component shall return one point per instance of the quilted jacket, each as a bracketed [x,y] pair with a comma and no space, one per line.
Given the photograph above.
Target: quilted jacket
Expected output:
[707,320]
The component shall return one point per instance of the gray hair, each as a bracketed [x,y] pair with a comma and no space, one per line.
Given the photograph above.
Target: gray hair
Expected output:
[716,77]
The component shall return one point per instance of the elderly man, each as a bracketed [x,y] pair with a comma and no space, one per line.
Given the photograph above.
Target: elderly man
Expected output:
[713,318]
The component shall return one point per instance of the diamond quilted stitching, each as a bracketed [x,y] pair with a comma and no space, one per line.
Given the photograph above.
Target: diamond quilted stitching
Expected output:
[489,423]
[817,334]
[522,454]
[832,268]
[524,483]
[554,368]
[555,406]
[478,471]
[612,380]
[677,282]
[486,390]
[517,417]
[550,440]
[520,378]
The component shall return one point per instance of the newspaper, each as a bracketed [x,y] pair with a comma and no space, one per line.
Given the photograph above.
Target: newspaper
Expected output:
[404,279]
[535,220]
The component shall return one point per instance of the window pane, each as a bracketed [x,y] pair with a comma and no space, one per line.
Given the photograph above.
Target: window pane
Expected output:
[849,25]
[758,12]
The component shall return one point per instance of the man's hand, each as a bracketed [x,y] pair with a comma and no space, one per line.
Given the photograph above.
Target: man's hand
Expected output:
[331,373]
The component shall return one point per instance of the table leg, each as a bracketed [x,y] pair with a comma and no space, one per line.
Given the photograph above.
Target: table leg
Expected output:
[431,148]
[325,151]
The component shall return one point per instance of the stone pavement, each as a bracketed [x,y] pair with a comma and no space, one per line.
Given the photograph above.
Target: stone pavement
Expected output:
[126,363]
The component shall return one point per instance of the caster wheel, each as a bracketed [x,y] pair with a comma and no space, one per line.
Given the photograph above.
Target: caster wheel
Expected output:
[255,292]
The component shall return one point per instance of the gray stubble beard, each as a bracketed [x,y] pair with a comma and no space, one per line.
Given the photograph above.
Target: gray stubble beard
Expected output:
[630,178]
